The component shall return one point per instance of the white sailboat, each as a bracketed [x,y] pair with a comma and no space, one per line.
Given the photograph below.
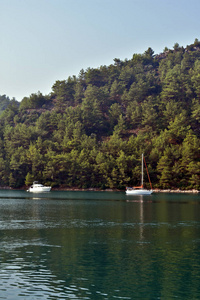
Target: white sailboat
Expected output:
[139,190]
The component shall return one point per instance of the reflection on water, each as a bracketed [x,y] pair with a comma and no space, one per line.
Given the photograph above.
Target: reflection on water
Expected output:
[99,245]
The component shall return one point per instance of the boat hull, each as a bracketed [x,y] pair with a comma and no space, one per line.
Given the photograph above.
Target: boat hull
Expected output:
[39,189]
[138,192]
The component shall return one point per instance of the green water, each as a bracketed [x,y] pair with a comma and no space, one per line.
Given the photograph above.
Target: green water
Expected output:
[99,245]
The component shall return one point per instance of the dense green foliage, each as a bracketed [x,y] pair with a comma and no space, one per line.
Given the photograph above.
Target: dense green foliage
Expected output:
[91,130]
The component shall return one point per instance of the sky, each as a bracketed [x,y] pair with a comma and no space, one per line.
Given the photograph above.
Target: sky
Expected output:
[42,41]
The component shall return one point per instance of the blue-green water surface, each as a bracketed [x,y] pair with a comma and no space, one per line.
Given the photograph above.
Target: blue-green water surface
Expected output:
[99,245]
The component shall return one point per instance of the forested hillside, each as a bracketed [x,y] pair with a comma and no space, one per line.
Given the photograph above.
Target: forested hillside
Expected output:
[91,130]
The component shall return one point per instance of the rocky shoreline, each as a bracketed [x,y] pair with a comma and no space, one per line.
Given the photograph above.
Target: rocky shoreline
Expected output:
[176,191]
[193,191]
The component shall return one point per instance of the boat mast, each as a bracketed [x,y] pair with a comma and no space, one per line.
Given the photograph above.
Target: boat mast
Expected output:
[142,171]
[148,173]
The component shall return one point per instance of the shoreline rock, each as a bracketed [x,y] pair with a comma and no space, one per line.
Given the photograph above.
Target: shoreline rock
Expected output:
[193,191]
[5,188]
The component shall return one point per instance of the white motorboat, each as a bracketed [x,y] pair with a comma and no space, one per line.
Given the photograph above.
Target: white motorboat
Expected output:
[139,190]
[38,188]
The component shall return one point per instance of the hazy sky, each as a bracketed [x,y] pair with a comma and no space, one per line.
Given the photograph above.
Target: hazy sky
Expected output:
[42,41]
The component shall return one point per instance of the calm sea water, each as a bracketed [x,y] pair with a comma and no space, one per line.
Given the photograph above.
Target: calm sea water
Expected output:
[99,245]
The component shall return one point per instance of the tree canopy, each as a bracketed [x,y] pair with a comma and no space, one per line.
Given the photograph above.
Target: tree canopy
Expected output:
[91,130]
